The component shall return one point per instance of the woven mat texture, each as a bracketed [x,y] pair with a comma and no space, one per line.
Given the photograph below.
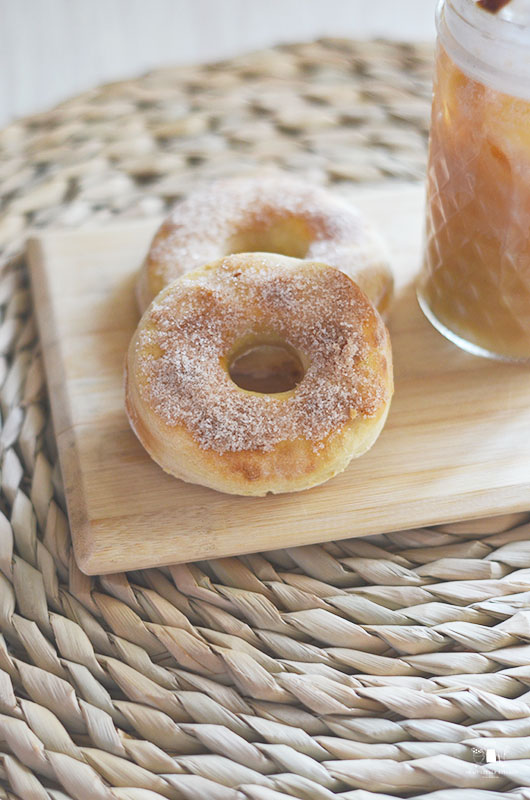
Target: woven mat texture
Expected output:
[396,665]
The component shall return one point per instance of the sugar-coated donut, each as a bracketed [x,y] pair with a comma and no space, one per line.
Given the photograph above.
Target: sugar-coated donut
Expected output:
[330,349]
[276,214]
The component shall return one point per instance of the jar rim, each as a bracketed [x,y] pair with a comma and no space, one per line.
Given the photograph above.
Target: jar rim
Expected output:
[492,49]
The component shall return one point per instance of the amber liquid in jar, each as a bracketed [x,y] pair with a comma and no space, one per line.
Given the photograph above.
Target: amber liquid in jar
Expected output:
[475,283]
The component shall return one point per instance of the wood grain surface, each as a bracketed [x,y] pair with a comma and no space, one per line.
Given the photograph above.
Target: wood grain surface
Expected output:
[452,448]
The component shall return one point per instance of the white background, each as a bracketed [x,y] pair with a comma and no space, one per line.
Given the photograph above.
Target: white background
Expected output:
[52,49]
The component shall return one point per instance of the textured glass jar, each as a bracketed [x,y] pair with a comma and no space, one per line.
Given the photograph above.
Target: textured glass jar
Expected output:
[475,282]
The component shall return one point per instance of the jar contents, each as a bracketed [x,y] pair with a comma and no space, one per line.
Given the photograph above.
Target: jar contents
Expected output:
[475,284]
[492,5]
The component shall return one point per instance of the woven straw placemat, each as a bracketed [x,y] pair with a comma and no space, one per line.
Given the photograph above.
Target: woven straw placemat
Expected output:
[396,665]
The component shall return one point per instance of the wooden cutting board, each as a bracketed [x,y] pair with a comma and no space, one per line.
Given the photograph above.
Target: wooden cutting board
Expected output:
[455,445]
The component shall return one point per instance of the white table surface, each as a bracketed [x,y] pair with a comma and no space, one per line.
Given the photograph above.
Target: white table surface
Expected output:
[52,49]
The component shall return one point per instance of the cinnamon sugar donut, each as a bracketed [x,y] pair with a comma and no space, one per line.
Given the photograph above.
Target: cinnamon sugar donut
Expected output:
[267,214]
[259,373]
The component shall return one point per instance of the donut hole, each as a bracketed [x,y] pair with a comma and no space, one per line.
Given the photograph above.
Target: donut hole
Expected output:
[268,365]
[289,236]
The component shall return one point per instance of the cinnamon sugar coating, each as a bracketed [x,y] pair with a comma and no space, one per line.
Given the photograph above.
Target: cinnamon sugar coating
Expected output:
[272,213]
[185,339]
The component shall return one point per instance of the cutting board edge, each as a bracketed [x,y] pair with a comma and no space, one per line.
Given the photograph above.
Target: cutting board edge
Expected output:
[88,553]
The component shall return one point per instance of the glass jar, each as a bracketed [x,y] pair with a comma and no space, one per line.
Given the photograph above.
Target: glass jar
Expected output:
[475,282]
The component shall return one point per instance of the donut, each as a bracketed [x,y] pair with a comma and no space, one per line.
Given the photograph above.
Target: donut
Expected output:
[259,373]
[276,214]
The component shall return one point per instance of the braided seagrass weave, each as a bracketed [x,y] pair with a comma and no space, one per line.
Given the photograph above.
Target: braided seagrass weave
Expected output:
[391,666]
